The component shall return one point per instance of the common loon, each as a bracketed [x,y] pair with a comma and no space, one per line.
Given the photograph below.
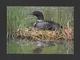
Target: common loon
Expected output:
[45,25]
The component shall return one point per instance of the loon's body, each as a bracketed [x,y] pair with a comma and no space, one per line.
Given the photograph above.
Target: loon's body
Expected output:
[41,24]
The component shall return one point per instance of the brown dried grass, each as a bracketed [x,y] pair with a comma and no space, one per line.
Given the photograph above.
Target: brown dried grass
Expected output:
[35,34]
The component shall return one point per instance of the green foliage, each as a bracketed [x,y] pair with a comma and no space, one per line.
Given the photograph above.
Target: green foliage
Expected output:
[20,16]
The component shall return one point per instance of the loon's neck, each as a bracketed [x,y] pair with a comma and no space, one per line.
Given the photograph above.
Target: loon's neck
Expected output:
[39,20]
[40,17]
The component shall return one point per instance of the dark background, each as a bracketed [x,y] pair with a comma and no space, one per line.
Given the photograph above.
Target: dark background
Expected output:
[5,3]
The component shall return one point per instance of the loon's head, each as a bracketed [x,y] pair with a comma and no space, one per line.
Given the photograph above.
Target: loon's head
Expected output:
[38,14]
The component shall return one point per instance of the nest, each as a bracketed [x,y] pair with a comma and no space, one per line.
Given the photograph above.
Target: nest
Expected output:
[35,34]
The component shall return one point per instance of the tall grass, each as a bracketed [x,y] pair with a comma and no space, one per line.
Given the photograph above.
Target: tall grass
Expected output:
[20,16]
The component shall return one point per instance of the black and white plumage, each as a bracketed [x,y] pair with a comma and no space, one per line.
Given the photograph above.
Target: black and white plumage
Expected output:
[45,25]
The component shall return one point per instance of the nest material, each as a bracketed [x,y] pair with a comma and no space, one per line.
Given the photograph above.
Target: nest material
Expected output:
[35,34]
